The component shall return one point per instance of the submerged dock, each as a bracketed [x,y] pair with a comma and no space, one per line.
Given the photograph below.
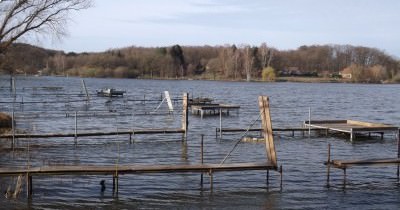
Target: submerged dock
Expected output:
[352,127]
[213,109]
[269,163]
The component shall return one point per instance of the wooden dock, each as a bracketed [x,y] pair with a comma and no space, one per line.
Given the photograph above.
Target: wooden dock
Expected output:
[242,130]
[116,170]
[352,127]
[344,164]
[213,109]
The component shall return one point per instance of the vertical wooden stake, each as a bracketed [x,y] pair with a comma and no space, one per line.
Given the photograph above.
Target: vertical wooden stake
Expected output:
[267,178]
[185,116]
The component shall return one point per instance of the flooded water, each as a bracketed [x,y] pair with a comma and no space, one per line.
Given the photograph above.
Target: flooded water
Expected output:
[50,104]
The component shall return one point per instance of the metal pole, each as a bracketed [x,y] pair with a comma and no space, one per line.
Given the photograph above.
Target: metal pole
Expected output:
[220,123]
[309,122]
[202,161]
[13,127]
[76,127]
[329,166]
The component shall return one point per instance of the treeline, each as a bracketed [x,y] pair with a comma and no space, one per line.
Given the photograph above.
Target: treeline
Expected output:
[229,62]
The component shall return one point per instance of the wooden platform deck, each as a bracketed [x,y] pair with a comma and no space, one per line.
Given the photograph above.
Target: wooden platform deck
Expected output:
[116,170]
[352,127]
[344,164]
[133,169]
[238,130]
[213,109]
[86,134]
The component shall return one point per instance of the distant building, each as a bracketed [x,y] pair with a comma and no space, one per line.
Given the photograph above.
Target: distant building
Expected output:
[346,73]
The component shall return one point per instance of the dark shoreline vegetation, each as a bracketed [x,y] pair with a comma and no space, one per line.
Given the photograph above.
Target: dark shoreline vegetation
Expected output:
[316,63]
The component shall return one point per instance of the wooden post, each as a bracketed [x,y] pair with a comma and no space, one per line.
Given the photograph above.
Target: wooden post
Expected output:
[329,166]
[201,159]
[185,116]
[76,127]
[267,177]
[263,102]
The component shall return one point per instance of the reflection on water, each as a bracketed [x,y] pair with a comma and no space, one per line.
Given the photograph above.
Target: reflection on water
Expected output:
[51,110]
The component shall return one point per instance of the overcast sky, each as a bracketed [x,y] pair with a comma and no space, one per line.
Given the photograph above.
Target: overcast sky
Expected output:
[284,24]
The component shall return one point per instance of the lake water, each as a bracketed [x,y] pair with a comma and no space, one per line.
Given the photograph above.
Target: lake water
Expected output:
[304,176]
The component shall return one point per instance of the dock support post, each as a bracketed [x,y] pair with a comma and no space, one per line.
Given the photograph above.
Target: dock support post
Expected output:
[220,123]
[309,122]
[28,186]
[211,179]
[130,138]
[185,116]
[115,184]
[344,178]
[201,158]
[281,177]
[13,128]
[329,166]
[398,154]
[351,135]
[267,178]
[76,128]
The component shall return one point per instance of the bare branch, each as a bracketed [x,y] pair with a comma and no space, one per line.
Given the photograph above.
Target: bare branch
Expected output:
[21,18]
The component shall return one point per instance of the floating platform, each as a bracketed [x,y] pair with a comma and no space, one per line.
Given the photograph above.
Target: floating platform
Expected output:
[352,127]
[213,109]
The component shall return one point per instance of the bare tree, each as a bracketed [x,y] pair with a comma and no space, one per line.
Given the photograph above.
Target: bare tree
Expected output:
[24,18]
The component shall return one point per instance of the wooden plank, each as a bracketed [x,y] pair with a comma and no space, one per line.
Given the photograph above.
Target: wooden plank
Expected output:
[367,124]
[267,127]
[273,129]
[113,133]
[134,169]
[348,163]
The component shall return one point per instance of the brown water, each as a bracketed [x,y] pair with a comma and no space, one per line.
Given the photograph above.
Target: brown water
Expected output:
[302,158]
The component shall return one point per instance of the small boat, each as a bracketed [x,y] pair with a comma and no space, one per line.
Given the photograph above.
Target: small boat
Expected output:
[110,92]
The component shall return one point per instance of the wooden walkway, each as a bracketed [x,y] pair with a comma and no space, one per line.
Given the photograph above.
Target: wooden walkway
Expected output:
[344,164]
[239,130]
[116,170]
[352,127]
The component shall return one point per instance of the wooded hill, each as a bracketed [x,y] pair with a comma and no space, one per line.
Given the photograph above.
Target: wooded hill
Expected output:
[228,62]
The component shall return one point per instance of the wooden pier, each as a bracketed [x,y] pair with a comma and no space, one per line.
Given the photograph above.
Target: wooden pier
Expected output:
[132,132]
[345,164]
[242,130]
[213,109]
[116,170]
[352,127]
